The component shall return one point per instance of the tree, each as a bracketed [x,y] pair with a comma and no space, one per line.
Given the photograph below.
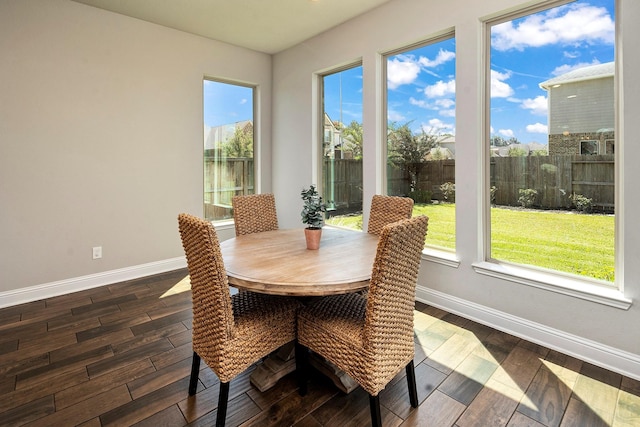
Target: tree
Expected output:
[517,152]
[241,143]
[438,154]
[498,141]
[409,151]
[352,138]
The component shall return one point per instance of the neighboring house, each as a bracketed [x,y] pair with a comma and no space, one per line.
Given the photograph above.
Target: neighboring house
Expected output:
[331,137]
[581,111]
[447,147]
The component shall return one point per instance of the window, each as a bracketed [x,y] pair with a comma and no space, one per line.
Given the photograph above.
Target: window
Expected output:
[421,145]
[228,146]
[609,146]
[589,148]
[342,147]
[551,84]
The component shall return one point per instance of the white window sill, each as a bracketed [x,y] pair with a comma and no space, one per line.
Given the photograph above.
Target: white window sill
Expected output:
[223,224]
[583,289]
[440,257]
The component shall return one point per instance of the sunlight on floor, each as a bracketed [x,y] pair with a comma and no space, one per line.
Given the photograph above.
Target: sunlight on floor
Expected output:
[183,285]
[523,373]
[457,345]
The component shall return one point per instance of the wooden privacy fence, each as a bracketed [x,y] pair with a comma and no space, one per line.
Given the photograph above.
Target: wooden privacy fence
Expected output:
[555,178]
[342,185]
[223,179]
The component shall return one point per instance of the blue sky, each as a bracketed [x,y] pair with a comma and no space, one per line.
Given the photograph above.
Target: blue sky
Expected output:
[421,82]
[226,103]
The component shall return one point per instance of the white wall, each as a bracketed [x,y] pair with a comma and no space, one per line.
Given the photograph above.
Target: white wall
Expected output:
[101,144]
[600,333]
[101,139]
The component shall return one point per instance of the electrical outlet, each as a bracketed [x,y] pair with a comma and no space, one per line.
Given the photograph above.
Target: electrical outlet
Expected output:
[97,252]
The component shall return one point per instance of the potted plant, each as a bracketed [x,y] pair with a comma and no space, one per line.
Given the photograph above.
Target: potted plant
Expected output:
[313,216]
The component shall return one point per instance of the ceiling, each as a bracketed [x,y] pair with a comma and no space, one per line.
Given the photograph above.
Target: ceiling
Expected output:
[268,26]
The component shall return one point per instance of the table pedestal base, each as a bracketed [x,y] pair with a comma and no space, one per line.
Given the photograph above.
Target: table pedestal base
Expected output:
[283,361]
[273,367]
[343,381]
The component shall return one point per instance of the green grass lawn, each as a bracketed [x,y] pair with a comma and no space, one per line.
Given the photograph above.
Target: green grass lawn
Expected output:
[564,241]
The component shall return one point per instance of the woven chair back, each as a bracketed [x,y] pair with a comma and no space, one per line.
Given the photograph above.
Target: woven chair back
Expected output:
[388,209]
[254,213]
[388,327]
[213,322]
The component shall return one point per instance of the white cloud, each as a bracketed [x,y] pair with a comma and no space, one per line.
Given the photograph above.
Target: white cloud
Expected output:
[400,72]
[442,57]
[440,89]
[243,101]
[445,103]
[564,25]
[418,102]
[394,116]
[571,55]
[538,128]
[563,69]
[444,106]
[507,133]
[500,89]
[437,126]
[537,105]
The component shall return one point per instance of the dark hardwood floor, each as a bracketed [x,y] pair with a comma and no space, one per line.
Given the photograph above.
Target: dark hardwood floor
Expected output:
[121,354]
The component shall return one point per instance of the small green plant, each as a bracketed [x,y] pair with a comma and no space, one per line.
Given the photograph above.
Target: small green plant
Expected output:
[581,203]
[313,211]
[448,191]
[527,197]
[420,196]
[539,153]
[517,152]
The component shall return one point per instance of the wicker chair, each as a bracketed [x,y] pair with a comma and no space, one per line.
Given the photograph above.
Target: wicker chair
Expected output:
[229,332]
[388,209]
[371,338]
[254,213]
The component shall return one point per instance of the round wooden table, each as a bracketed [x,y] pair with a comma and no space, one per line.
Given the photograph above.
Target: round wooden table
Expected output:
[278,262]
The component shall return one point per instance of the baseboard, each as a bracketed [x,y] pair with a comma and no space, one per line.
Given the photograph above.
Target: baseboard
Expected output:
[61,287]
[607,357]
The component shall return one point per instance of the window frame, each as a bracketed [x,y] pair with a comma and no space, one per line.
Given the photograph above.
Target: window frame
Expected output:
[255,143]
[555,281]
[430,253]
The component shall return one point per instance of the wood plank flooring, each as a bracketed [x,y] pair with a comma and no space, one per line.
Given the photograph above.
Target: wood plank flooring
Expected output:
[120,355]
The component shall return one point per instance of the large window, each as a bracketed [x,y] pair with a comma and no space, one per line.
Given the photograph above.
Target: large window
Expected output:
[228,146]
[552,133]
[342,147]
[421,132]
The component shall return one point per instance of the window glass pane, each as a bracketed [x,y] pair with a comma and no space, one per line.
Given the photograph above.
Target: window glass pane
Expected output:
[228,146]
[421,146]
[342,147]
[552,139]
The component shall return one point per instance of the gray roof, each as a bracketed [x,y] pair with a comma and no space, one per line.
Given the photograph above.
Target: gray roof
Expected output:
[579,74]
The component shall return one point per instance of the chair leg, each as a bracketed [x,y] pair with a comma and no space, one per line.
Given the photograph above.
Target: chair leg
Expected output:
[374,406]
[223,399]
[411,382]
[195,370]
[302,368]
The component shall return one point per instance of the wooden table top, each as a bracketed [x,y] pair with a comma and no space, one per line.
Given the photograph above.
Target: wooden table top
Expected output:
[279,263]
